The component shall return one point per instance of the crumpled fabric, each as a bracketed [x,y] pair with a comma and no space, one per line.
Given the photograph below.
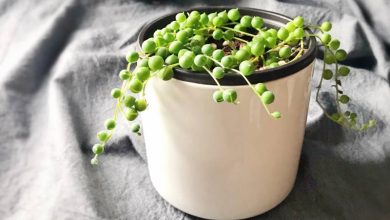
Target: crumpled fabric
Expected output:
[59,60]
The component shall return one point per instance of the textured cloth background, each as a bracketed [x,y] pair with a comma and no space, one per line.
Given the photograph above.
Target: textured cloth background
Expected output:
[59,60]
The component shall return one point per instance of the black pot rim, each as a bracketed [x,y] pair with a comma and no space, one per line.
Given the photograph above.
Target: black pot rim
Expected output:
[235,79]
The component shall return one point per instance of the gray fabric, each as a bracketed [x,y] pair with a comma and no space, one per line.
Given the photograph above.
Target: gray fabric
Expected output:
[59,60]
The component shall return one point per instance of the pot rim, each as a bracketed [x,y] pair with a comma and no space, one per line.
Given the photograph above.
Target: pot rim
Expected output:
[270,18]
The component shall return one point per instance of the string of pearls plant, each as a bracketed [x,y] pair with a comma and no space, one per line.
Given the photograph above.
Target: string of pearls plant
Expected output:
[220,42]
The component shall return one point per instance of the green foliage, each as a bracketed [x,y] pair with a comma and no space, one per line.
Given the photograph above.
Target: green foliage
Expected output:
[220,43]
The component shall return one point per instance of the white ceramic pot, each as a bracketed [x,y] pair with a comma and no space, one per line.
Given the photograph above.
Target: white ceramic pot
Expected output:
[225,161]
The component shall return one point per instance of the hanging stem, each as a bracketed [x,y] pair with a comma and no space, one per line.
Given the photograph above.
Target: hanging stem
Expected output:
[317,27]
[212,76]
[254,90]
[344,121]
[247,81]
[318,95]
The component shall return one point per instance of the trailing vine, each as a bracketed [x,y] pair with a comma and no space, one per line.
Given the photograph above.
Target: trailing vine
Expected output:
[222,42]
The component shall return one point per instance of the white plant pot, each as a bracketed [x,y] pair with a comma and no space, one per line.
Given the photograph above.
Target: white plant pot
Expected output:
[225,161]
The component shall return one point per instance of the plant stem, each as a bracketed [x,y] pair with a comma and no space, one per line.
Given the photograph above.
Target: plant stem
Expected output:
[174,65]
[237,38]
[143,88]
[233,22]
[318,95]
[247,81]
[254,90]
[262,59]
[215,79]
[128,67]
[344,121]
[241,32]
[317,27]
[299,53]
[254,59]
[336,87]
[280,45]
[117,107]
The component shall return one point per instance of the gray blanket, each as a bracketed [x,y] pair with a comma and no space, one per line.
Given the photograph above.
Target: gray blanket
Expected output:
[59,60]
